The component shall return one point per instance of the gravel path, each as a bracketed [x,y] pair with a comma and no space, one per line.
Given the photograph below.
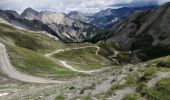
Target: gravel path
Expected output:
[81,71]
[76,48]
[64,63]
[160,76]
[8,70]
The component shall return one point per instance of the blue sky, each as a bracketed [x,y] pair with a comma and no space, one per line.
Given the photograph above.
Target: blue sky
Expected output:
[72,5]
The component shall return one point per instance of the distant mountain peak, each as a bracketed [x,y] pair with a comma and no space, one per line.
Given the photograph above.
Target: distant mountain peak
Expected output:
[29,9]
[29,13]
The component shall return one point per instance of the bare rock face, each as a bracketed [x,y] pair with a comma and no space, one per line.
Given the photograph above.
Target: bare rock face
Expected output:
[105,19]
[57,24]
[80,16]
[145,33]
[67,29]
[29,14]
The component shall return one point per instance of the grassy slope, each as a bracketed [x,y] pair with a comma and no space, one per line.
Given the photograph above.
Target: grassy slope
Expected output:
[108,48]
[85,59]
[36,64]
[26,52]
[34,41]
[161,91]
[140,77]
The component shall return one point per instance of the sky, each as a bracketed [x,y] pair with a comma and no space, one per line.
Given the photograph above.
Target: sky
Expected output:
[86,6]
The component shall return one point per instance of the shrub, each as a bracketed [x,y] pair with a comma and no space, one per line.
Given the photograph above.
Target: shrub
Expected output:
[132,97]
[72,88]
[59,98]
[163,64]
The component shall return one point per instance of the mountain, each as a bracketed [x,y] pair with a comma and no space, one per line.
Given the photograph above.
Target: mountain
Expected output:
[29,14]
[57,24]
[13,18]
[146,33]
[79,16]
[105,19]
[67,29]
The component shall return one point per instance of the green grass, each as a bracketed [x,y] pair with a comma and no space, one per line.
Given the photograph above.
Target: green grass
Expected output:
[111,91]
[82,98]
[26,51]
[148,73]
[107,49]
[140,77]
[135,96]
[114,88]
[84,59]
[160,92]
[86,98]
[131,79]
[59,98]
[38,42]
[32,42]
[33,63]
[91,87]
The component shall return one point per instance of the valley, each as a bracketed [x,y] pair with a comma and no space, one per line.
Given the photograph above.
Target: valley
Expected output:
[47,55]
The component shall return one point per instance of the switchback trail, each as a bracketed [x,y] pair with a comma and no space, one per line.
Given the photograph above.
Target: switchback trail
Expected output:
[64,63]
[76,48]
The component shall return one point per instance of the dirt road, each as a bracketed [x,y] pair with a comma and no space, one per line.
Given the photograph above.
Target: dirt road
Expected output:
[64,63]
[10,71]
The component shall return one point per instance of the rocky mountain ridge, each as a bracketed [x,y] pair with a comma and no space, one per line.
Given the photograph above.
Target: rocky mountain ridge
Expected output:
[57,24]
[105,19]
[144,33]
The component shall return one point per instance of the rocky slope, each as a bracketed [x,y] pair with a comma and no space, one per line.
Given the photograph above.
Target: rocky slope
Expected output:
[67,29]
[14,19]
[29,14]
[105,19]
[79,16]
[57,24]
[144,33]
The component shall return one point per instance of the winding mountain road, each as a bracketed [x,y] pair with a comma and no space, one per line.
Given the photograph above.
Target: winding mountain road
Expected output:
[10,71]
[64,63]
[76,48]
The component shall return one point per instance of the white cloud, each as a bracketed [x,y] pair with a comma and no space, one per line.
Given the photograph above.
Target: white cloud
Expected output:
[70,5]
